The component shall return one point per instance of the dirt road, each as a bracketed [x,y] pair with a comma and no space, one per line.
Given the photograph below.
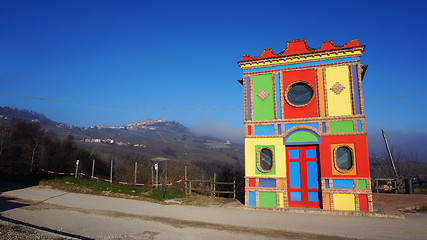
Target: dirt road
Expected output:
[83,216]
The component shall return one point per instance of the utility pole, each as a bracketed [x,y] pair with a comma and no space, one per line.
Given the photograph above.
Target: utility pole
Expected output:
[389,153]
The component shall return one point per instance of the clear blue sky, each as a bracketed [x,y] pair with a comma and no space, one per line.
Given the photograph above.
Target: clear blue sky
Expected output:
[184,54]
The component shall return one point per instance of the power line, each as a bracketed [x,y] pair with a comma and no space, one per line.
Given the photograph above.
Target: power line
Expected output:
[177,109]
[409,95]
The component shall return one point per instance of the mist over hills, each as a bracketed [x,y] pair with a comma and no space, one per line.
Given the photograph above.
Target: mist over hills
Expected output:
[160,140]
[155,139]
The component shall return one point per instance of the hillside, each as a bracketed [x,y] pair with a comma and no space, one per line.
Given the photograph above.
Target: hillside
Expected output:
[153,139]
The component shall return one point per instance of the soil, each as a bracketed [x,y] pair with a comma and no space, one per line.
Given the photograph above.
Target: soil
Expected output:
[390,202]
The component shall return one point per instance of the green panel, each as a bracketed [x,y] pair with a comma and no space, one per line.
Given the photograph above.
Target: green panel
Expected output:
[273,170]
[301,137]
[263,109]
[361,184]
[341,126]
[267,199]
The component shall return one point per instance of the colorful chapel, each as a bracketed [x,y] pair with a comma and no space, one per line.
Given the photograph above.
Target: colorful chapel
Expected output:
[305,135]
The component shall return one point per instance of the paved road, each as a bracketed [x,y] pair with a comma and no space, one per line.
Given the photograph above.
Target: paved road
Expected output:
[88,216]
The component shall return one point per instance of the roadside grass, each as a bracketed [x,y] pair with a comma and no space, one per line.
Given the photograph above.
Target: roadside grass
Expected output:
[87,185]
[417,190]
[422,209]
[420,190]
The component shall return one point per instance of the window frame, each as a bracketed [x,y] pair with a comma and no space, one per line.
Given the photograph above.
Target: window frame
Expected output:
[351,155]
[258,160]
[289,88]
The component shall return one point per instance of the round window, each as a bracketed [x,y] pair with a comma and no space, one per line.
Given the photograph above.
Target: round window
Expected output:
[299,94]
[344,161]
[266,159]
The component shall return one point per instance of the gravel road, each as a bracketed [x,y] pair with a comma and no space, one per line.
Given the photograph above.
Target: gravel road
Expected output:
[83,216]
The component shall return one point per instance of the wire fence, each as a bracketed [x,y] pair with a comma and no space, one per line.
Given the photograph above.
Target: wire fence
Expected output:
[207,187]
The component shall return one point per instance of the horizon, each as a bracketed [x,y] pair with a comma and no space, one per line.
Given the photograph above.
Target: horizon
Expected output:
[376,144]
[184,55]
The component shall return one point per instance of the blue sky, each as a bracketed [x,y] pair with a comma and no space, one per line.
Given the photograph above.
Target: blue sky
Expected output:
[183,54]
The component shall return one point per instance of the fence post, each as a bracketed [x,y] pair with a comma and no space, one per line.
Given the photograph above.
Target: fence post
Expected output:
[234,189]
[77,168]
[376,185]
[185,180]
[189,190]
[210,183]
[111,171]
[136,168]
[152,174]
[156,166]
[93,168]
[214,187]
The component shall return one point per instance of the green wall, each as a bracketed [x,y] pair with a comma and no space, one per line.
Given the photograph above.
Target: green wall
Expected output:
[341,126]
[267,199]
[263,109]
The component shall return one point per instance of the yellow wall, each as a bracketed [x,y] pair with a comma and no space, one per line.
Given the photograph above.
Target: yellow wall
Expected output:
[338,104]
[279,156]
[344,202]
[281,201]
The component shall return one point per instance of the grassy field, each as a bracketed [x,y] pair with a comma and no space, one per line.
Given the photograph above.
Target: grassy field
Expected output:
[86,185]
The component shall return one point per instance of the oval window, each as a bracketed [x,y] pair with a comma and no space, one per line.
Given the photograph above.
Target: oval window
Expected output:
[299,94]
[343,158]
[266,159]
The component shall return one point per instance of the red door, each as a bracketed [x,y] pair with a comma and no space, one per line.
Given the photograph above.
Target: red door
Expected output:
[303,176]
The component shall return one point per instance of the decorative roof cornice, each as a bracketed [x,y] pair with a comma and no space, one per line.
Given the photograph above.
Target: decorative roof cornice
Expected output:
[297,47]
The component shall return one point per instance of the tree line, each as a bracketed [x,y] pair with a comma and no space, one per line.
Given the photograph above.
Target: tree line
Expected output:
[26,148]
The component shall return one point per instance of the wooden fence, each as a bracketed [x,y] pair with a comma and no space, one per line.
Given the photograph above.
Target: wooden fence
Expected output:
[395,184]
[208,187]
[386,184]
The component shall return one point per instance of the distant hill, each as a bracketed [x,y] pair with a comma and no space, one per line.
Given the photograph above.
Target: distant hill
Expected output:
[155,139]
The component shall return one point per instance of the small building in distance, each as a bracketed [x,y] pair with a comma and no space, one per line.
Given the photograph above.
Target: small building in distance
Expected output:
[305,135]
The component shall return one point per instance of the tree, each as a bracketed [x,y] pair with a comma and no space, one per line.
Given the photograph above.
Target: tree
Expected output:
[27,136]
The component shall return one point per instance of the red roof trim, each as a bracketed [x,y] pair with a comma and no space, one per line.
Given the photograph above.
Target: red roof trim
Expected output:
[299,46]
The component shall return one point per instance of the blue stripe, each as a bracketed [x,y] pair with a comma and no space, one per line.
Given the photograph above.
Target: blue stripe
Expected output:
[252,199]
[301,64]
[264,129]
[356,89]
[343,183]
[279,128]
[248,97]
[314,125]
[359,126]
[278,97]
[323,127]
[267,182]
